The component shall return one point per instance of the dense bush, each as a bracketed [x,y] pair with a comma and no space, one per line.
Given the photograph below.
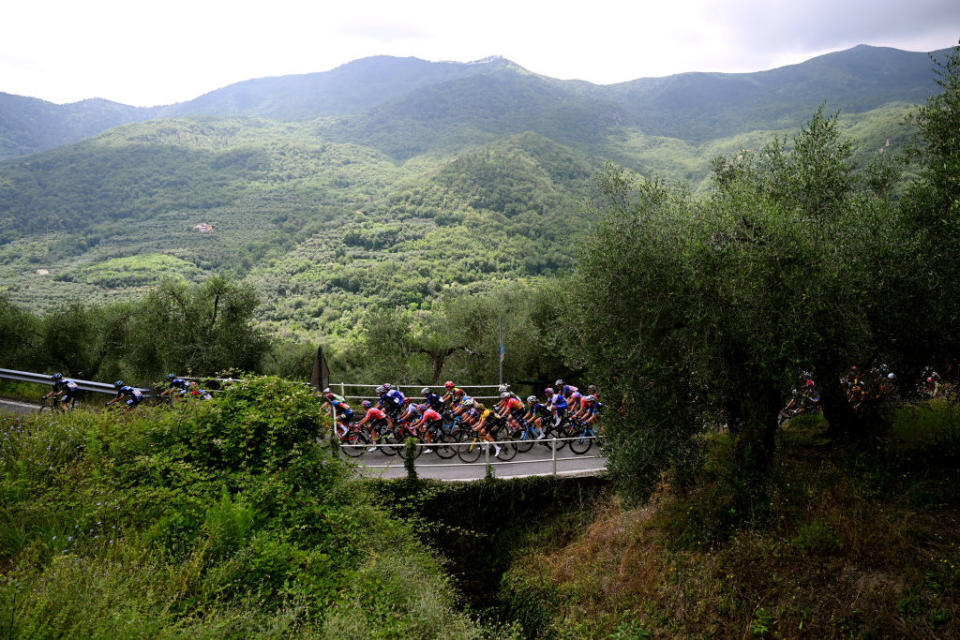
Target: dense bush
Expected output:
[222,519]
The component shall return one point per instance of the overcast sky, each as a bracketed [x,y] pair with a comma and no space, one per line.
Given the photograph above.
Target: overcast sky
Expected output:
[147,53]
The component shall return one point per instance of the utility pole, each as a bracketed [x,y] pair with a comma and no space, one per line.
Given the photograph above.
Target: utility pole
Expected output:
[501,348]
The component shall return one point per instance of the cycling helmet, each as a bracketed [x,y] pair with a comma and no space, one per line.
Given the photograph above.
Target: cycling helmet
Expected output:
[503,387]
[57,376]
[590,398]
[380,390]
[891,376]
[171,376]
[576,395]
[558,383]
[386,385]
[930,379]
[531,399]
[325,391]
[366,404]
[468,402]
[118,384]
[425,391]
[421,408]
[448,384]
[548,391]
[505,394]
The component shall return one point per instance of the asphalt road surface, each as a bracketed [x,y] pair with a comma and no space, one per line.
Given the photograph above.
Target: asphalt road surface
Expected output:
[538,461]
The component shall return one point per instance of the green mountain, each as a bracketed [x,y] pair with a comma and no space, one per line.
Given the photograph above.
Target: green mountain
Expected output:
[386,182]
[373,92]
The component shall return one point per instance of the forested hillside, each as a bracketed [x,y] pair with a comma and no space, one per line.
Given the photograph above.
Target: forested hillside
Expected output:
[386,182]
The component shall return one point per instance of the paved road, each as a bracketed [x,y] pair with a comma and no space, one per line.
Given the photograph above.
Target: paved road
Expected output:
[537,461]
[12,406]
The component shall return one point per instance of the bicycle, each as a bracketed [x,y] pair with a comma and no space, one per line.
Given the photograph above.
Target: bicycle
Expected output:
[51,403]
[583,440]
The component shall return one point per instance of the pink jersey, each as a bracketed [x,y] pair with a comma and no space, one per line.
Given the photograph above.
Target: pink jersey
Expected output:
[431,416]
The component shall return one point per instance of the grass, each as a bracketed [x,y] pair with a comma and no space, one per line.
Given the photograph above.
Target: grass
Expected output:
[854,544]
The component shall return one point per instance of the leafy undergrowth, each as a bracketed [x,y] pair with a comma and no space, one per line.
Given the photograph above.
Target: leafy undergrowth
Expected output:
[224,519]
[847,543]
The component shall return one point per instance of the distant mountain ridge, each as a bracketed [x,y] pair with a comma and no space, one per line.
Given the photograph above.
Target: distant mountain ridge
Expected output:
[366,94]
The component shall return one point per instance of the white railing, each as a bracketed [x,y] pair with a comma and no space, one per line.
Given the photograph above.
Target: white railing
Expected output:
[342,386]
[487,458]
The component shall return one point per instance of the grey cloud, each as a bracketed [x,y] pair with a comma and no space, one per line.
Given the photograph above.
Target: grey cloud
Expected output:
[830,24]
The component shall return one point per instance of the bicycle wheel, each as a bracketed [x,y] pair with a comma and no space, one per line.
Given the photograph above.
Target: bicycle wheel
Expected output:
[582,443]
[507,451]
[388,443]
[526,440]
[555,432]
[445,447]
[469,449]
[355,443]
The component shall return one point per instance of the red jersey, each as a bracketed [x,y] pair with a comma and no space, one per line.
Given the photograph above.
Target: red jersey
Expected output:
[374,414]
[431,416]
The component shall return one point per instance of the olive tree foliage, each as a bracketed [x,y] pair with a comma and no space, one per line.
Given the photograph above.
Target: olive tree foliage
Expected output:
[701,314]
[459,339]
[931,212]
[202,329]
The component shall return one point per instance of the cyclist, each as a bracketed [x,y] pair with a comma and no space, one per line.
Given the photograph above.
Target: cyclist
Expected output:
[536,412]
[513,411]
[588,412]
[330,395]
[176,387]
[374,417]
[566,390]
[448,393]
[433,400]
[67,390]
[557,405]
[429,423]
[343,412]
[133,395]
[476,417]
[391,400]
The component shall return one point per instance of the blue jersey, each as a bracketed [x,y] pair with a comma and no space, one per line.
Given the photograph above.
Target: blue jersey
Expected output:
[558,402]
[179,383]
[342,409]
[434,401]
[67,386]
[133,394]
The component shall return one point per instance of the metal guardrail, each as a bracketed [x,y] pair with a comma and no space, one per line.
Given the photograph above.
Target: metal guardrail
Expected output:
[85,385]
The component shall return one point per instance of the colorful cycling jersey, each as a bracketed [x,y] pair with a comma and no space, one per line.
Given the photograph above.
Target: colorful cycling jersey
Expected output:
[374,413]
[431,416]
[557,402]
[540,410]
[341,408]
[568,390]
